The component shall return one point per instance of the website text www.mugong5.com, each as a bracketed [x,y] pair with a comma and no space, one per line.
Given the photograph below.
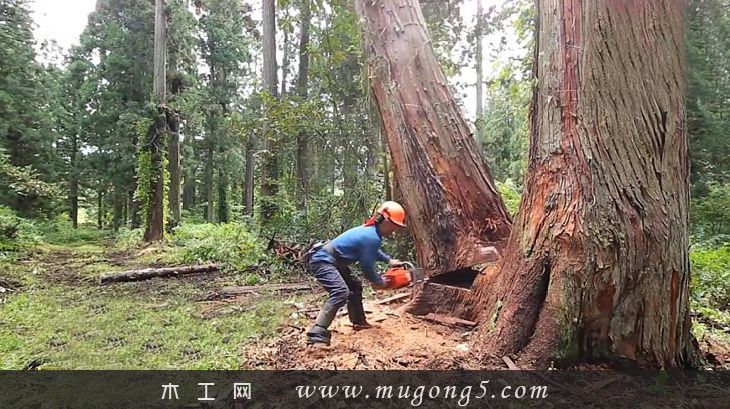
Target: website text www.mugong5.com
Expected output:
[415,395]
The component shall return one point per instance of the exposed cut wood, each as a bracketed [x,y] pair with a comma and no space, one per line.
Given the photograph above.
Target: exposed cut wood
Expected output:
[440,299]
[147,273]
[227,292]
[450,321]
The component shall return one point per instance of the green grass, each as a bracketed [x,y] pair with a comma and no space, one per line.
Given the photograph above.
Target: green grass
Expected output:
[87,328]
[62,318]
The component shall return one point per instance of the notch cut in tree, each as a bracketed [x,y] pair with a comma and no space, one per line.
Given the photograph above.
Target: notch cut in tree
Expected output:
[597,264]
[452,203]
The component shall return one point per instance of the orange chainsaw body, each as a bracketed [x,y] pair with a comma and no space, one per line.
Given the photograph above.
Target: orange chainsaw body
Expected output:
[402,276]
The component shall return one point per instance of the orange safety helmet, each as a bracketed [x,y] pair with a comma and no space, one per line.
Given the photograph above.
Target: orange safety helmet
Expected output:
[394,212]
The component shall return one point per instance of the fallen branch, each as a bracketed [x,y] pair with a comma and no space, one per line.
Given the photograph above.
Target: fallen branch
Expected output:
[450,321]
[393,298]
[147,273]
[510,363]
[228,292]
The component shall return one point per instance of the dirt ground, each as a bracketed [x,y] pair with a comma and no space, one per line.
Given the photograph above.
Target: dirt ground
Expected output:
[397,341]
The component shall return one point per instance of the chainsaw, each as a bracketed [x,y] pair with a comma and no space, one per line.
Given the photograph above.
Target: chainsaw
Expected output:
[404,275]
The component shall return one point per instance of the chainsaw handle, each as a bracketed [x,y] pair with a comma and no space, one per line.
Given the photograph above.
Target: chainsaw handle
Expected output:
[406,264]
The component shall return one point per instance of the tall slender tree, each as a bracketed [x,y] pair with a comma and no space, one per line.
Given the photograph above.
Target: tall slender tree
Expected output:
[155,148]
[302,84]
[270,172]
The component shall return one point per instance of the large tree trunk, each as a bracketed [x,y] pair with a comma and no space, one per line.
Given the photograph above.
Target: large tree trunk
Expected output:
[270,171]
[597,264]
[302,84]
[156,146]
[452,203]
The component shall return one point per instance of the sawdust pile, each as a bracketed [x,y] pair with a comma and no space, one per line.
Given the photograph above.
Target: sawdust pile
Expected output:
[397,341]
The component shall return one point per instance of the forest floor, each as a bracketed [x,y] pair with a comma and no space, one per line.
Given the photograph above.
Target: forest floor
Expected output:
[55,315]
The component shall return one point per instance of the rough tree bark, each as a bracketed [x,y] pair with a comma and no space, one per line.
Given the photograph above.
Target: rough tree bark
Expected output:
[597,263]
[156,146]
[452,202]
[270,171]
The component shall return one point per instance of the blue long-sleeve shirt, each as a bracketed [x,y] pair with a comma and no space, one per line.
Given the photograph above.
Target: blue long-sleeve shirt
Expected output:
[360,244]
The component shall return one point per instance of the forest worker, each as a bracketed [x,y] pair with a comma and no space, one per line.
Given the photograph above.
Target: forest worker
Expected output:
[329,262]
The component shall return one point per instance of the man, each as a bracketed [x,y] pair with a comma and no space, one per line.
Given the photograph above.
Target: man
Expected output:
[330,265]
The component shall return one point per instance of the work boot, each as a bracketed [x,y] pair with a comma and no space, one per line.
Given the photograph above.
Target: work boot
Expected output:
[319,334]
[356,312]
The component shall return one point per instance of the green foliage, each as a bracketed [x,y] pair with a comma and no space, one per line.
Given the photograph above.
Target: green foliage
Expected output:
[711,275]
[708,112]
[59,231]
[511,195]
[128,239]
[711,212]
[16,234]
[229,243]
[505,125]
[23,187]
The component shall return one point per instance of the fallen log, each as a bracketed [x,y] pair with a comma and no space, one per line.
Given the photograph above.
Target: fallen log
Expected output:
[450,321]
[228,292]
[147,273]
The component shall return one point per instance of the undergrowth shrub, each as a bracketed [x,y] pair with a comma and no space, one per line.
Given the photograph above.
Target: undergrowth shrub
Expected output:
[128,239]
[60,231]
[711,275]
[510,194]
[229,243]
[16,234]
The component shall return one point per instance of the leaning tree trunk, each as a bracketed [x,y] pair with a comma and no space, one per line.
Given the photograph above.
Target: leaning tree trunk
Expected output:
[597,263]
[452,203]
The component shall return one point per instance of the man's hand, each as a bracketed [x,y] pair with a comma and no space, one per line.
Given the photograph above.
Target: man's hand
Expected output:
[395,262]
[384,286]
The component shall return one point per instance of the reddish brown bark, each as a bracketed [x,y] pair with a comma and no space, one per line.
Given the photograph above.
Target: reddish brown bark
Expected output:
[597,264]
[452,203]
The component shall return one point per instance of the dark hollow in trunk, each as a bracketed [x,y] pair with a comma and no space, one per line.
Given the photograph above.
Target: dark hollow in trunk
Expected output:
[462,278]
